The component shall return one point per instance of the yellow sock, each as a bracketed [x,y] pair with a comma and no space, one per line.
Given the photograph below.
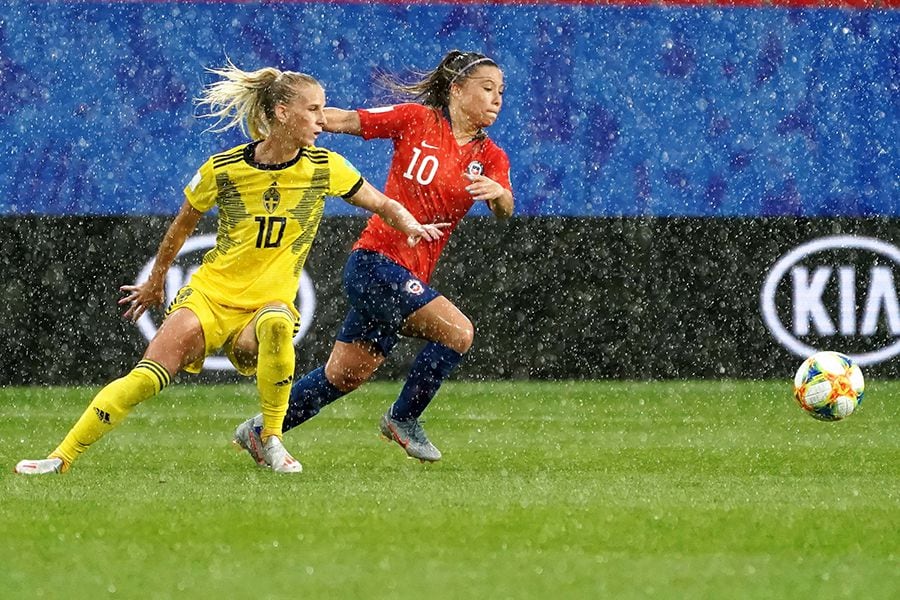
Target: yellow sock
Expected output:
[275,367]
[110,407]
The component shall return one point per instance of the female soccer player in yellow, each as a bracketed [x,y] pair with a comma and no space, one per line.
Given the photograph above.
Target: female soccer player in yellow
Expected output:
[270,194]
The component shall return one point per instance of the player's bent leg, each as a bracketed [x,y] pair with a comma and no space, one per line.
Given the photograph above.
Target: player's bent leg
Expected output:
[348,367]
[275,367]
[108,408]
[401,422]
[310,394]
[355,362]
[450,333]
[179,341]
[429,370]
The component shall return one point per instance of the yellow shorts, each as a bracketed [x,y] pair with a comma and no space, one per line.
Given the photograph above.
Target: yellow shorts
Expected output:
[221,325]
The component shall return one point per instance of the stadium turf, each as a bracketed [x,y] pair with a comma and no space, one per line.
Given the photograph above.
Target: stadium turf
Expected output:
[562,490]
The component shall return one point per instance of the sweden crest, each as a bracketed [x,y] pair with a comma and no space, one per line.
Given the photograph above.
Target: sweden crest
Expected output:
[272,198]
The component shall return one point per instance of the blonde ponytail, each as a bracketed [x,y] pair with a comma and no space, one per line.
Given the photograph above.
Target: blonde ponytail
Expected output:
[248,99]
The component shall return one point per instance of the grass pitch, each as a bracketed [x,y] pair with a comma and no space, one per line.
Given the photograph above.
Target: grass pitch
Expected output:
[562,490]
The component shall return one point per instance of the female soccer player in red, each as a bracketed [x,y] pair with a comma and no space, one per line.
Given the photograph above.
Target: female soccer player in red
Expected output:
[270,194]
[443,162]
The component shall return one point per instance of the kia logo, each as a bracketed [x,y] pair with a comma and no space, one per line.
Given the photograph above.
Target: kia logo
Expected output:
[179,274]
[836,298]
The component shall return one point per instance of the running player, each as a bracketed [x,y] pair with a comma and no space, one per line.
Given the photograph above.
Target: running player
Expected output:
[270,194]
[443,162]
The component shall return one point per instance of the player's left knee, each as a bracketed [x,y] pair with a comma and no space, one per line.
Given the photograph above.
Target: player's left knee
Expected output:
[466,337]
[275,325]
[275,332]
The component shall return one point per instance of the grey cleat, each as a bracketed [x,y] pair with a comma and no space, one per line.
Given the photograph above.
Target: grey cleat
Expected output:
[411,436]
[246,437]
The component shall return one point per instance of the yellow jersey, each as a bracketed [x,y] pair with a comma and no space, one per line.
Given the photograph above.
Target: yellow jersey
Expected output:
[268,218]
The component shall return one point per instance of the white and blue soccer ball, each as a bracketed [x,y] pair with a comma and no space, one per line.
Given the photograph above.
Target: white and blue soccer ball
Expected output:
[829,386]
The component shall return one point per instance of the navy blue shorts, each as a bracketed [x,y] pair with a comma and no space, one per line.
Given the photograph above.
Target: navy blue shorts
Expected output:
[382,294]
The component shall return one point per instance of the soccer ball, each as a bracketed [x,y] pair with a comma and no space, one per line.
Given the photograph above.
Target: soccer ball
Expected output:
[829,386]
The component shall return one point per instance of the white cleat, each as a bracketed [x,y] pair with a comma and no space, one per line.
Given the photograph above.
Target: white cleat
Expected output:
[39,467]
[278,458]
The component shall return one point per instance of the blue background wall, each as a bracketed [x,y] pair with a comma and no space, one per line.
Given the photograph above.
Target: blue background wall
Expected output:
[609,111]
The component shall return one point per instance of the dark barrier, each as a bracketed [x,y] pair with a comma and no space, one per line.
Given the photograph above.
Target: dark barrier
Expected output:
[550,297]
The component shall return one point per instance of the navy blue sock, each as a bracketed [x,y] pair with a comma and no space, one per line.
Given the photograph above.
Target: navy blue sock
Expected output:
[433,364]
[308,396]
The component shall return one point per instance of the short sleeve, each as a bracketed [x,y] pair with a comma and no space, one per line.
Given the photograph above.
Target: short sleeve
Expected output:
[391,121]
[201,189]
[345,178]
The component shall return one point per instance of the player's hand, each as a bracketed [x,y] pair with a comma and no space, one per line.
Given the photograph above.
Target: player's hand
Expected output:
[483,188]
[139,298]
[429,233]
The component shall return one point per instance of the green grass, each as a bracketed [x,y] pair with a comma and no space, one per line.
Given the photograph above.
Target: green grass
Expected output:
[562,490]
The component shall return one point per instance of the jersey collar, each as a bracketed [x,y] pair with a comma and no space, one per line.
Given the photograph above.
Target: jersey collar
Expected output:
[250,152]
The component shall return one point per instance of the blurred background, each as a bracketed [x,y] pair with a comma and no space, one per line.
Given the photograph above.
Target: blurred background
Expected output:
[703,189]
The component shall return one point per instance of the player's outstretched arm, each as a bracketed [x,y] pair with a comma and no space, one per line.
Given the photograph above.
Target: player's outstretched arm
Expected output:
[150,293]
[498,198]
[396,215]
[342,121]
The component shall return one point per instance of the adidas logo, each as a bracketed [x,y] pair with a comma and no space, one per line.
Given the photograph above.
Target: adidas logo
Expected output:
[102,415]
[284,382]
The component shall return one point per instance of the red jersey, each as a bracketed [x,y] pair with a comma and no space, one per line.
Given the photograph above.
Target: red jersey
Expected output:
[427,177]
